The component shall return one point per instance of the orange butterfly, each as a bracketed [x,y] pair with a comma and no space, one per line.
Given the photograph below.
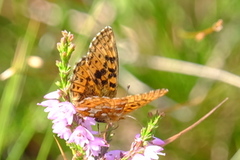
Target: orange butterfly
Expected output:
[94,83]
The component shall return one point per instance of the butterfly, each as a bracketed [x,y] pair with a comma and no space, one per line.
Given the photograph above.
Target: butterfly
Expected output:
[95,79]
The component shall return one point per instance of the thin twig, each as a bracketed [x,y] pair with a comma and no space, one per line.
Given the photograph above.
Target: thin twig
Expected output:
[60,148]
[173,138]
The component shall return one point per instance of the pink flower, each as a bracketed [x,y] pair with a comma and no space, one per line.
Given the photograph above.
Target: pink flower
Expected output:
[157,141]
[53,95]
[152,152]
[64,111]
[70,127]
[62,130]
[83,137]
[96,145]
[88,122]
[149,150]
[61,114]
[114,155]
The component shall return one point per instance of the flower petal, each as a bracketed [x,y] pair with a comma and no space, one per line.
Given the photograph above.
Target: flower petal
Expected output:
[53,95]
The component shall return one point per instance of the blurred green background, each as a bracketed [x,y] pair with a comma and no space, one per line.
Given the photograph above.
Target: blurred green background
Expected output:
[153,52]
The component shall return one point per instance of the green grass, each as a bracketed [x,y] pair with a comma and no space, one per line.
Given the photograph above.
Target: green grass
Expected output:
[143,29]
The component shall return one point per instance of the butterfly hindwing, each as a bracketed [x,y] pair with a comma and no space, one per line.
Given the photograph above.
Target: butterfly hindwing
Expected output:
[106,109]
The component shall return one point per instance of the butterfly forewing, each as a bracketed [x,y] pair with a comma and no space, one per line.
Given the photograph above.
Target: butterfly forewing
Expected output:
[96,74]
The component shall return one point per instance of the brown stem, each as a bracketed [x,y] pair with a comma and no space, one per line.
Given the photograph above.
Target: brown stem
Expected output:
[176,136]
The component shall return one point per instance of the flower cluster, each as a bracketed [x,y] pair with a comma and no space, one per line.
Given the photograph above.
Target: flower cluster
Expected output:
[149,151]
[70,127]
[78,131]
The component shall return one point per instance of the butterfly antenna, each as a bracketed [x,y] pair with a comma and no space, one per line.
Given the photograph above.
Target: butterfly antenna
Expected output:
[135,119]
[128,87]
